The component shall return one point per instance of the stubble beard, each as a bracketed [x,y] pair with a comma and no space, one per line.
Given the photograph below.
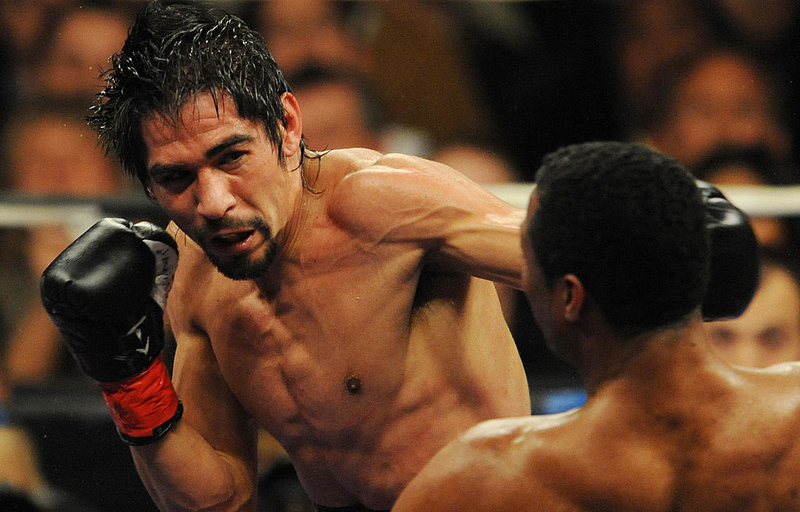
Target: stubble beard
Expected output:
[243,268]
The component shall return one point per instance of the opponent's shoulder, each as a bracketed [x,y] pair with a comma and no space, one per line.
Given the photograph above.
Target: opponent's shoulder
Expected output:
[509,454]
[778,390]
[568,458]
[525,440]
[788,368]
[779,381]
[502,430]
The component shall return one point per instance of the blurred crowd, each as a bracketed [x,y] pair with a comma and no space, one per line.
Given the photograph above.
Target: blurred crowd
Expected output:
[486,87]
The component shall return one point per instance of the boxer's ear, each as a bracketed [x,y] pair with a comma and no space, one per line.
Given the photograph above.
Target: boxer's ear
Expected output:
[572,296]
[293,128]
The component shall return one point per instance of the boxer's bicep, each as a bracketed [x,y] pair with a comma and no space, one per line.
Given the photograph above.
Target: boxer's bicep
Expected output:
[209,405]
[460,225]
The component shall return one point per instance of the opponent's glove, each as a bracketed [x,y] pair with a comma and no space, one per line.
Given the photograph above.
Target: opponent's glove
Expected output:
[734,268]
[106,293]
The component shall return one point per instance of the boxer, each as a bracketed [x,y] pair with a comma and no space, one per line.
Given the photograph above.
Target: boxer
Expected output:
[342,301]
[617,254]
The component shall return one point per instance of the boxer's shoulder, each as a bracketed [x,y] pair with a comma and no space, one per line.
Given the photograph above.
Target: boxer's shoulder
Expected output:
[336,164]
[366,173]
[357,164]
[194,268]
[188,251]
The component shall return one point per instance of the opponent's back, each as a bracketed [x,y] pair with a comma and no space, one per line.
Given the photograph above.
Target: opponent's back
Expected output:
[746,455]
[726,441]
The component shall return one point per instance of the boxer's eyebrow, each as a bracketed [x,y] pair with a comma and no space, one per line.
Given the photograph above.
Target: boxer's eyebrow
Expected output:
[166,169]
[233,140]
[225,144]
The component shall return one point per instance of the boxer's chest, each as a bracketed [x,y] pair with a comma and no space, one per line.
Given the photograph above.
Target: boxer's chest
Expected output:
[315,360]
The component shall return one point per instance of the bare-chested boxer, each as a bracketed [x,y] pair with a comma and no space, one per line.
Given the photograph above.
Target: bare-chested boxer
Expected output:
[617,261]
[344,301]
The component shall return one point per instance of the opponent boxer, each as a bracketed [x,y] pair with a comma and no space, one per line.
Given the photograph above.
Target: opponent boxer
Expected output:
[616,263]
[341,300]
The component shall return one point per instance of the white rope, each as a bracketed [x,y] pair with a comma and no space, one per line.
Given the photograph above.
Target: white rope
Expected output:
[77,215]
[765,201]
[755,201]
[76,218]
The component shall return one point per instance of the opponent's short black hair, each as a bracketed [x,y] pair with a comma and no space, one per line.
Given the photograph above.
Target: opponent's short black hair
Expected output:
[175,51]
[630,223]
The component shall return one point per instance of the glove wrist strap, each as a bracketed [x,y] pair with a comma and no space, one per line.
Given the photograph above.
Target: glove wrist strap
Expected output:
[144,407]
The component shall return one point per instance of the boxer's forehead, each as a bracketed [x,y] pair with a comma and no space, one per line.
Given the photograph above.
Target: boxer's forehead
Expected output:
[196,115]
[198,125]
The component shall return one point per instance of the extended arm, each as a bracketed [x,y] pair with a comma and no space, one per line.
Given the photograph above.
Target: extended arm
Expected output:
[461,226]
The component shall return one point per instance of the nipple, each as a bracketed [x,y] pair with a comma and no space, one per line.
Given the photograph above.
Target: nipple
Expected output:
[352,384]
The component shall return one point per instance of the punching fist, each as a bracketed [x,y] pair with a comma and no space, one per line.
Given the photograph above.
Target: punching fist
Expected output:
[106,293]
[734,267]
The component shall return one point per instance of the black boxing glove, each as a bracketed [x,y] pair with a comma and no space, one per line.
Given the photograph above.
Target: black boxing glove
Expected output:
[734,268]
[106,293]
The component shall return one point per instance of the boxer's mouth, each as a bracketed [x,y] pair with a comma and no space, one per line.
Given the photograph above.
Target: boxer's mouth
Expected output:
[232,238]
[234,241]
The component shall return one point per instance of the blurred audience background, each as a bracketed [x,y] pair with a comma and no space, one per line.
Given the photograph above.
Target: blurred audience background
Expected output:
[486,87]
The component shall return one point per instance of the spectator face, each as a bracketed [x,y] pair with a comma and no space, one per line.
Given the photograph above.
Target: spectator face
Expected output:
[724,101]
[56,155]
[769,330]
[80,52]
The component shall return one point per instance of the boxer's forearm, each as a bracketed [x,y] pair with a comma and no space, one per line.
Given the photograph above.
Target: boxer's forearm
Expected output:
[485,246]
[182,471]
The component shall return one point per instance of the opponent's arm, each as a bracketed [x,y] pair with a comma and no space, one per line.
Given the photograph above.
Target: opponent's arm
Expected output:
[106,293]
[460,225]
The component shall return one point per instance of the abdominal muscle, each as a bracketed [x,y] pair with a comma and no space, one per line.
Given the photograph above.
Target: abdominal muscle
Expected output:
[372,460]
[361,411]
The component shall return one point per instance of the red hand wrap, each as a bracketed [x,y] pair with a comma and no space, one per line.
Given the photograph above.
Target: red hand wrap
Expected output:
[142,403]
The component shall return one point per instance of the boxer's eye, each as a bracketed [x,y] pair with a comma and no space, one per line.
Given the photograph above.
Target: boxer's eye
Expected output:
[172,179]
[231,159]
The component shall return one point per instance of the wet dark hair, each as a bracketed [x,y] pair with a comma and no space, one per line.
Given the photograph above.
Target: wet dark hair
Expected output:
[173,53]
[630,223]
